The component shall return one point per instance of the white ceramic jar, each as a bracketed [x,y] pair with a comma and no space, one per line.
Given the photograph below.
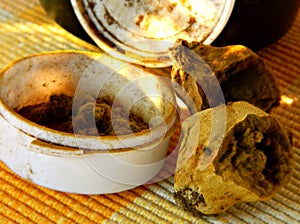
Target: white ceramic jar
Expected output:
[78,163]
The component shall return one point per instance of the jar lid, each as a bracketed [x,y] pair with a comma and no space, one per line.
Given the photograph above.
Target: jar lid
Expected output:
[142,31]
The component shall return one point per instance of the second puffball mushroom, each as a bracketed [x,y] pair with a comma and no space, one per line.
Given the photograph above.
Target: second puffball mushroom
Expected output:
[250,162]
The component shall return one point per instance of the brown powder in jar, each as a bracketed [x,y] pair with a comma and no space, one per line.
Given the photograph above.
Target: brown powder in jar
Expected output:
[89,116]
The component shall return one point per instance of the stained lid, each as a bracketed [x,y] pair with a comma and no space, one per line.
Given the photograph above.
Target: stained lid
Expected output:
[142,31]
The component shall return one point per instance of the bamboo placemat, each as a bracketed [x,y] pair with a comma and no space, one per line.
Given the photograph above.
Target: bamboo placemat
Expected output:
[25,29]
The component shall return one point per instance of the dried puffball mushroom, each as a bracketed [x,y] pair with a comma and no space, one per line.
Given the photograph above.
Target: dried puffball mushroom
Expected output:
[250,162]
[241,73]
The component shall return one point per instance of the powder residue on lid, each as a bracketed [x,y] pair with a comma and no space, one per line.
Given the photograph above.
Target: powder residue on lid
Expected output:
[141,20]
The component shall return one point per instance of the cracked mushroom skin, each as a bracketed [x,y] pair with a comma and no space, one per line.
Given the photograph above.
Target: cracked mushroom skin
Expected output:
[241,73]
[252,163]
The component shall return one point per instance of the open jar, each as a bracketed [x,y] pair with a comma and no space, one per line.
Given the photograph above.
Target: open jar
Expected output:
[73,162]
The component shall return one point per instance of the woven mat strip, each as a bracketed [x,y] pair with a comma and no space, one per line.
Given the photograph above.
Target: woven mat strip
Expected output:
[24,202]
[26,30]
[47,203]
